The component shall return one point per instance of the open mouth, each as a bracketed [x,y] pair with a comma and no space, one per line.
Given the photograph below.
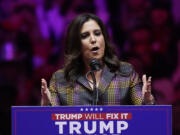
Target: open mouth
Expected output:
[95,49]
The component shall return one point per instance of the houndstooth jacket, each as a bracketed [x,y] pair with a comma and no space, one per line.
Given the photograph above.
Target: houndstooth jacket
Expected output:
[124,88]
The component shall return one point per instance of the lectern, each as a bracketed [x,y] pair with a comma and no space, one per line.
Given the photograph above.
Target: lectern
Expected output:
[95,120]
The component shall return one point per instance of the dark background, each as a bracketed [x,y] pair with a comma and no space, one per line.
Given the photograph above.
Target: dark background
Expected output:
[144,33]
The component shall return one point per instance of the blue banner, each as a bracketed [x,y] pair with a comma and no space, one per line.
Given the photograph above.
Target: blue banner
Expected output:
[96,120]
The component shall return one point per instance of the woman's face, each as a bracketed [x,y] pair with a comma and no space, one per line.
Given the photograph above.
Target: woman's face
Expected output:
[92,40]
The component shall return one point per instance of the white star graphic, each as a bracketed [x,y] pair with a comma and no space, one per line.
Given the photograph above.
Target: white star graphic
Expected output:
[81,109]
[91,109]
[101,109]
[87,109]
[96,109]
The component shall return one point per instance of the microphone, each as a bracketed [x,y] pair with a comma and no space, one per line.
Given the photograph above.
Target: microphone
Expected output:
[95,66]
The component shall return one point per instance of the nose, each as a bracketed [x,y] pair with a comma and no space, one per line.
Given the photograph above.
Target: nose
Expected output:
[93,39]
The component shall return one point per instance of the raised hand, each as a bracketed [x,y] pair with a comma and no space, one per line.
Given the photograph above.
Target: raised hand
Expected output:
[46,95]
[146,91]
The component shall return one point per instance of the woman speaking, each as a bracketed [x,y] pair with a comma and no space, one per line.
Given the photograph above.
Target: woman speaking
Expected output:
[92,73]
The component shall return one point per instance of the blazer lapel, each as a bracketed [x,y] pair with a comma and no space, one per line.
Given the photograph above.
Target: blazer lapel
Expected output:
[106,79]
[82,80]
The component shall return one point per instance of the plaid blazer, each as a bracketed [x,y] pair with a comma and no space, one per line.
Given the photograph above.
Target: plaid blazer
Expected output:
[114,89]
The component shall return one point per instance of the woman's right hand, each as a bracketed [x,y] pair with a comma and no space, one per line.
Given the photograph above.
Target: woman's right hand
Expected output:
[46,95]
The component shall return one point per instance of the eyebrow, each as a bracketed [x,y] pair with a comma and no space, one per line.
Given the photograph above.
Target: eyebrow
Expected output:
[93,30]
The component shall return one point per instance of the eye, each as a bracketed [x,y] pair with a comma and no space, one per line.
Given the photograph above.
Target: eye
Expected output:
[84,35]
[97,32]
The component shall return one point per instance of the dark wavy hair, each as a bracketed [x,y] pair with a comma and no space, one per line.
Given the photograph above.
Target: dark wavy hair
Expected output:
[74,65]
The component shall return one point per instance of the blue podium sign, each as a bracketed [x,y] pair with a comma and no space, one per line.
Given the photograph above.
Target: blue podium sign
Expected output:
[96,120]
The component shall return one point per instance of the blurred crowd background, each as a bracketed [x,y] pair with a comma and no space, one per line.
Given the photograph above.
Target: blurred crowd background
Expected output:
[145,33]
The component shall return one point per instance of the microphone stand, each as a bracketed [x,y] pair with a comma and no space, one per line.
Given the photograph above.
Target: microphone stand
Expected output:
[95,66]
[95,91]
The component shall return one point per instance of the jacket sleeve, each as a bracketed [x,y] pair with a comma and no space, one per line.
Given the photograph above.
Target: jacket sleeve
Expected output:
[135,88]
[53,90]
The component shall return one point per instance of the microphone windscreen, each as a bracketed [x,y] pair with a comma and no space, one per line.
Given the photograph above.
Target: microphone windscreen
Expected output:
[94,65]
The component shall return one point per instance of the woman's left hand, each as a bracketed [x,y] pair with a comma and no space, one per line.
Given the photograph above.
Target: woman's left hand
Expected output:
[148,98]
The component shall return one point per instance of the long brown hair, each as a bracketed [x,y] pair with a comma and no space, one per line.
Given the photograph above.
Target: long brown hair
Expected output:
[74,65]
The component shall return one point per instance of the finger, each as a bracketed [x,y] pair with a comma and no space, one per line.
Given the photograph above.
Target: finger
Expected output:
[144,79]
[149,79]
[144,88]
[149,84]
[44,83]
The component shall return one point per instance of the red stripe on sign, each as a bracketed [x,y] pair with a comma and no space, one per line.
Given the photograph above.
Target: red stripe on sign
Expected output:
[91,116]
